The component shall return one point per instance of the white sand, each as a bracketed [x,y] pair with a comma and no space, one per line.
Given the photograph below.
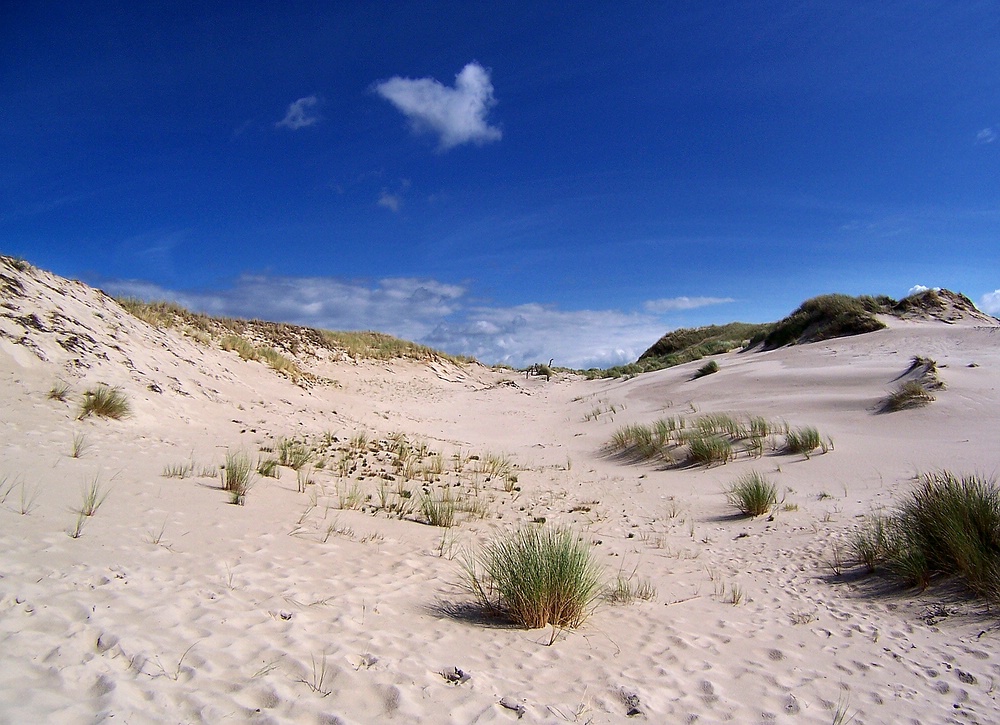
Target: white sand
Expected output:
[234,614]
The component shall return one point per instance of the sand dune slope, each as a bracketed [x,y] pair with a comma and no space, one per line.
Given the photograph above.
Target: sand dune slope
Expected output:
[324,599]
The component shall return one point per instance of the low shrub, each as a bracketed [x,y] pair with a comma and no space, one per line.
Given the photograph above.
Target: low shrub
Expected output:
[536,576]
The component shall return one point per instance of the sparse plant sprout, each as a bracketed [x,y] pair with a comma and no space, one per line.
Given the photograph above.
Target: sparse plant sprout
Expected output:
[93,497]
[624,590]
[178,470]
[79,445]
[6,488]
[349,498]
[536,576]
[752,494]
[268,467]
[238,476]
[77,531]
[303,479]
[59,391]
[106,402]
[28,498]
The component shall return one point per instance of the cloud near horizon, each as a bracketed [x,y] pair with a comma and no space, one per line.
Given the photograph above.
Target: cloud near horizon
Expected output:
[429,312]
[678,304]
[300,114]
[457,115]
[990,303]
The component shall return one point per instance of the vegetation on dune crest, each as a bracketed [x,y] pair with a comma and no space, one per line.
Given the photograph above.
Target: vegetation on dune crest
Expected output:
[272,342]
[829,316]
[686,345]
[820,318]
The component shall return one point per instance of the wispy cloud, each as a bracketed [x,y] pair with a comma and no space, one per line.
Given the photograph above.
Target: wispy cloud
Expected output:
[457,115]
[392,202]
[428,311]
[300,114]
[990,303]
[677,304]
[987,135]
[531,333]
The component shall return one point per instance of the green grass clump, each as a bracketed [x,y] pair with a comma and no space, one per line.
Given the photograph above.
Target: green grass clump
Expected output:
[826,317]
[705,450]
[106,402]
[706,369]
[948,527]
[911,394]
[59,391]
[536,576]
[439,511]
[752,494]
[802,440]
[240,345]
[237,477]
[292,454]
[267,467]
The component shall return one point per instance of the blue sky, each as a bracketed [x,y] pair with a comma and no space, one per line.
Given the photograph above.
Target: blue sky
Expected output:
[519,181]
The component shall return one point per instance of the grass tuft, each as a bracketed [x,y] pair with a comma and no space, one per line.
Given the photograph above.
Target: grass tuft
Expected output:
[59,391]
[440,511]
[803,440]
[705,450]
[706,369]
[948,527]
[238,476]
[911,394]
[536,576]
[752,494]
[106,402]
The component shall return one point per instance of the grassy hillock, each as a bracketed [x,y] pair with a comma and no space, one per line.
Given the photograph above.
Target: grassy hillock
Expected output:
[829,316]
[820,318]
[687,344]
[251,337]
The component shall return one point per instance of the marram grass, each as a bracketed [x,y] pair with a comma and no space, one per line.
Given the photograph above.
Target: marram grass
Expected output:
[536,576]
[948,527]
[752,494]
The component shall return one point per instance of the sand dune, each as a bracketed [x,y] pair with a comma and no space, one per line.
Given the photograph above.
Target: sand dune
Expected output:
[172,605]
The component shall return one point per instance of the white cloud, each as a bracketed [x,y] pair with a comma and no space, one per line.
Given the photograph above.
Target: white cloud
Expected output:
[990,303]
[429,312]
[390,201]
[918,288]
[406,307]
[987,135]
[525,334]
[677,304]
[300,114]
[457,115]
